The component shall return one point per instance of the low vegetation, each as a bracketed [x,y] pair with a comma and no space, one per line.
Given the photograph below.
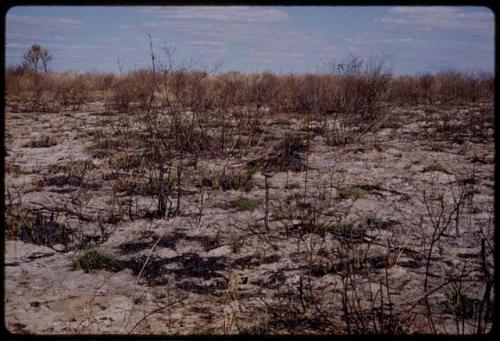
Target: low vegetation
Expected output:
[435,167]
[246,204]
[42,142]
[256,203]
[93,260]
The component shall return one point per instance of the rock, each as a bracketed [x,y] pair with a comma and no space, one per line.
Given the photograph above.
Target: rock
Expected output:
[218,252]
[16,250]
[59,247]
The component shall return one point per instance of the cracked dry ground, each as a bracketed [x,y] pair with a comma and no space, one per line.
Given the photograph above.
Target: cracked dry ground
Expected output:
[348,256]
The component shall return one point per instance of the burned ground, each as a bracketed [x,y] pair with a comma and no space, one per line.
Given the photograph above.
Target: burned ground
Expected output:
[284,233]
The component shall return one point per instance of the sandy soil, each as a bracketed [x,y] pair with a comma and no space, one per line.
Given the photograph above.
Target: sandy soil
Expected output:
[214,269]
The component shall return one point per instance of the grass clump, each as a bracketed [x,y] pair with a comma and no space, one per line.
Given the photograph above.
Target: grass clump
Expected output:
[236,180]
[15,218]
[130,186]
[434,147]
[43,142]
[317,227]
[287,155]
[376,224]
[76,168]
[96,260]
[233,179]
[352,264]
[125,161]
[261,328]
[353,192]
[460,305]
[246,204]
[292,185]
[348,232]
[435,167]
[124,184]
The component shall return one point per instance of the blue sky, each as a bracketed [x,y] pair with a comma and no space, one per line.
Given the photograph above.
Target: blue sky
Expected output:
[279,38]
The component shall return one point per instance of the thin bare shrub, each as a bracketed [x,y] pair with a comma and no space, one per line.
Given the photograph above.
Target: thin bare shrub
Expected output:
[361,87]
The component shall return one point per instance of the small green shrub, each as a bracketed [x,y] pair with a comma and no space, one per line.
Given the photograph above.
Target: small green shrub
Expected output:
[96,260]
[435,167]
[246,204]
[253,168]
[261,328]
[208,179]
[369,188]
[287,155]
[236,180]
[353,192]
[225,180]
[460,305]
[434,147]
[377,224]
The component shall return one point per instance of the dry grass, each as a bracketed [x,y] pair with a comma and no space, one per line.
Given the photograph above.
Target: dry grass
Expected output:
[43,142]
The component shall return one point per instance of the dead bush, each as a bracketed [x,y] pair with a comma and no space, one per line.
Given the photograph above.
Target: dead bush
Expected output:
[73,90]
[235,180]
[43,142]
[131,90]
[360,91]
[287,155]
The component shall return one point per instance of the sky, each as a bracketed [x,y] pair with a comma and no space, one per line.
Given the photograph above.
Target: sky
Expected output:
[280,39]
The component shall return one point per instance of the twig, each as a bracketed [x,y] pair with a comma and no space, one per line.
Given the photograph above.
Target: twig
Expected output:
[147,259]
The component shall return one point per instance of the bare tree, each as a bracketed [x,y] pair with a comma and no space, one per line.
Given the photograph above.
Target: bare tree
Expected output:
[35,56]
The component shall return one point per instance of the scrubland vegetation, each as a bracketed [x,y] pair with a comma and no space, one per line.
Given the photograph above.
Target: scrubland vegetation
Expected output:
[182,200]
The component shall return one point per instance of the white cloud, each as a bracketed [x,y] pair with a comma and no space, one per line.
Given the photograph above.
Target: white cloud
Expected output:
[426,53]
[104,41]
[251,31]
[209,25]
[418,10]
[455,19]
[245,14]
[26,30]
[372,42]
[42,23]
[14,45]
[396,40]
[204,43]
